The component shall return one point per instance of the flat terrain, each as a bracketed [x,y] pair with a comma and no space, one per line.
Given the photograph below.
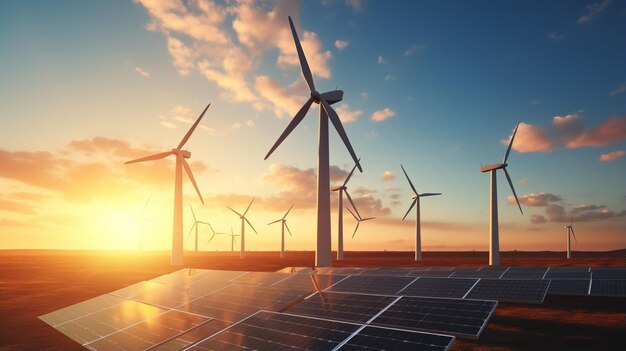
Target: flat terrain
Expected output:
[33,283]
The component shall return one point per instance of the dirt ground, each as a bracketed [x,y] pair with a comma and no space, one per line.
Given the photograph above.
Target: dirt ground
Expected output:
[33,283]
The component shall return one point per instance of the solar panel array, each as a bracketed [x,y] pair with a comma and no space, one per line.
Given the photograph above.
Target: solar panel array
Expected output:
[330,308]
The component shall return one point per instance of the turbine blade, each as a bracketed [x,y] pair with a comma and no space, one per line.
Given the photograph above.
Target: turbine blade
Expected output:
[506,155]
[250,224]
[213,231]
[512,189]
[429,194]
[352,203]
[213,236]
[250,204]
[355,229]
[306,71]
[193,127]
[291,126]
[368,218]
[276,221]
[146,205]
[350,175]
[191,230]
[352,213]
[407,178]
[237,213]
[151,157]
[410,208]
[192,213]
[289,231]
[288,211]
[342,133]
[574,235]
[190,175]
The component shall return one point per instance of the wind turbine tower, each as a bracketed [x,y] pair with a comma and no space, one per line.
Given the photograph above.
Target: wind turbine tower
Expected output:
[323,256]
[181,155]
[244,220]
[570,232]
[416,202]
[343,188]
[282,234]
[494,241]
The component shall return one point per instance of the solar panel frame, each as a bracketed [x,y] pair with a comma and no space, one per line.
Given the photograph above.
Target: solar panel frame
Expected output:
[439,287]
[510,290]
[569,287]
[369,337]
[380,285]
[608,287]
[432,273]
[526,273]
[608,273]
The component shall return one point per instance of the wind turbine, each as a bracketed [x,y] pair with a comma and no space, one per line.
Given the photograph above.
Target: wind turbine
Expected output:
[244,220]
[494,241]
[341,190]
[232,237]
[323,252]
[195,226]
[418,225]
[181,155]
[141,219]
[284,225]
[358,219]
[570,231]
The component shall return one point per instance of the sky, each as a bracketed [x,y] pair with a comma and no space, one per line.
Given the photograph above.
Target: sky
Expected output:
[435,86]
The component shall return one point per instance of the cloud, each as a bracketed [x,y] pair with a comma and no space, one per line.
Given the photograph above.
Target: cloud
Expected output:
[167,124]
[620,89]
[12,206]
[581,213]
[568,131]
[183,55]
[381,60]
[556,213]
[389,77]
[593,10]
[612,156]
[594,216]
[383,114]
[556,35]
[535,200]
[346,115]
[530,139]
[250,123]
[537,219]
[141,72]
[388,175]
[585,208]
[414,49]
[341,44]
[356,5]
[284,103]
[522,181]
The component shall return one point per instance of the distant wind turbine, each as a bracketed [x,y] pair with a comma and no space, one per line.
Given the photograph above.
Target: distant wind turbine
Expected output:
[358,219]
[494,240]
[142,218]
[196,224]
[284,225]
[416,201]
[181,155]
[570,232]
[244,220]
[323,256]
[343,188]
[232,238]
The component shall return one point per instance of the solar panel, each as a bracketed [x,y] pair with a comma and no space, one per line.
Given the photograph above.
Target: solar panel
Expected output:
[309,282]
[338,271]
[394,272]
[80,309]
[148,333]
[608,287]
[372,338]
[512,290]
[569,287]
[484,272]
[372,284]
[564,274]
[465,318]
[608,273]
[439,287]
[438,273]
[524,273]
[192,336]
[276,331]
[261,278]
[136,289]
[342,306]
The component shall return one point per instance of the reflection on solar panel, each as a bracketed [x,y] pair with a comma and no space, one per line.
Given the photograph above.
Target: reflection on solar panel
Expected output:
[338,271]
[261,278]
[192,336]
[608,287]
[569,287]
[372,284]
[372,338]
[447,316]
[608,273]
[275,331]
[342,306]
[433,273]
[532,291]
[80,309]
[136,289]
[397,272]
[485,272]
[309,282]
[524,273]
[439,287]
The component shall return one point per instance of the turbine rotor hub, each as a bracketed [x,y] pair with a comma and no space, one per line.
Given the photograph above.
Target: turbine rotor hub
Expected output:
[315,95]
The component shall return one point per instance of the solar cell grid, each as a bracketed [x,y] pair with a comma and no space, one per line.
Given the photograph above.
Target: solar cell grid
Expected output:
[309,282]
[81,309]
[608,287]
[608,273]
[433,273]
[484,272]
[569,287]
[372,338]
[398,272]
[342,306]
[192,336]
[524,273]
[439,287]
[530,291]
[465,318]
[372,284]
[261,278]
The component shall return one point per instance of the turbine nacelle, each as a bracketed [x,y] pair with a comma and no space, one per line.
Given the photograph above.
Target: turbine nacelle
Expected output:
[336,188]
[183,153]
[493,167]
[331,97]
[414,196]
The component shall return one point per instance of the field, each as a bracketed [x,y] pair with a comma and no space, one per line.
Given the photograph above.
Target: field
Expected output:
[33,283]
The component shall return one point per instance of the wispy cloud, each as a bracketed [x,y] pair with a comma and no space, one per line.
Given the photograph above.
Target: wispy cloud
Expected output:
[346,115]
[556,35]
[341,44]
[381,60]
[356,5]
[382,115]
[530,139]
[620,89]
[535,200]
[414,49]
[612,156]
[142,72]
[389,77]
[592,11]
[388,175]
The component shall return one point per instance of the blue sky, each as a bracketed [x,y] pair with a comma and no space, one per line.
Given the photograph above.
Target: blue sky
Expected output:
[454,77]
